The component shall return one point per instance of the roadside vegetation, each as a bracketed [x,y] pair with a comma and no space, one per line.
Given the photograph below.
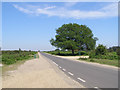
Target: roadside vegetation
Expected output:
[104,56]
[11,57]
[67,53]
[76,40]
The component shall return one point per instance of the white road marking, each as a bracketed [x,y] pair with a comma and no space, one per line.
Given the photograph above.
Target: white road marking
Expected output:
[95,87]
[81,79]
[70,73]
[56,64]
[64,70]
[59,67]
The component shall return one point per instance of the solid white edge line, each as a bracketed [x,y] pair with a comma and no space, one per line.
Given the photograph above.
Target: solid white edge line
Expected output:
[81,79]
[70,73]
[59,67]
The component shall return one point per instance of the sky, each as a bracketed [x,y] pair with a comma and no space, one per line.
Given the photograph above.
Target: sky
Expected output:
[31,25]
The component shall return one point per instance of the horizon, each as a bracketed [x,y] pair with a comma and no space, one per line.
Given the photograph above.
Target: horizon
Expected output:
[40,50]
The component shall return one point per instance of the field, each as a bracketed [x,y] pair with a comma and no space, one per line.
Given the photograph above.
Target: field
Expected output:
[111,58]
[11,57]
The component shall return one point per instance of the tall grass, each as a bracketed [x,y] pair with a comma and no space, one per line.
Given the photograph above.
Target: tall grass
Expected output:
[11,57]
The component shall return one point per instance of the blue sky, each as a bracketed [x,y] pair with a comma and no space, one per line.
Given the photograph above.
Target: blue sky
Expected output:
[32,25]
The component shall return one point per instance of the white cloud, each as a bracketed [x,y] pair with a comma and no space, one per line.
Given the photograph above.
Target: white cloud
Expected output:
[50,7]
[110,10]
[23,9]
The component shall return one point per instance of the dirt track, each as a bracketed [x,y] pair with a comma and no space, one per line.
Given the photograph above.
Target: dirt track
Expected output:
[38,73]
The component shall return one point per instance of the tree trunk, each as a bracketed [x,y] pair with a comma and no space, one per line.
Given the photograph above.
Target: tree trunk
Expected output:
[58,52]
[72,51]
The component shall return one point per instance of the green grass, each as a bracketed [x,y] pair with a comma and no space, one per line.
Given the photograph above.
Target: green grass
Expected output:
[109,55]
[101,61]
[11,57]
[111,58]
[0,59]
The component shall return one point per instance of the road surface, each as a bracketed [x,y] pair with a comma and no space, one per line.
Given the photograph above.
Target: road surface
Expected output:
[90,76]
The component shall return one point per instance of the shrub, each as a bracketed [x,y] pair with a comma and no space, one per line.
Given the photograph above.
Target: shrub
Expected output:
[83,53]
[91,60]
[92,54]
[101,50]
[9,61]
[10,57]
[110,56]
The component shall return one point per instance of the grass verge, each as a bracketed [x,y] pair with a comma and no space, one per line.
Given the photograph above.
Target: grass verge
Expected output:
[101,61]
[11,57]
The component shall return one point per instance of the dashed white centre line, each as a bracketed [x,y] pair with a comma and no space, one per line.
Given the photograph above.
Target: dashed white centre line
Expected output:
[81,79]
[97,88]
[59,67]
[70,73]
[64,70]
[56,64]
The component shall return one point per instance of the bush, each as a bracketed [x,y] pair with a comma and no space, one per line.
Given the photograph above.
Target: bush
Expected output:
[91,60]
[10,57]
[10,61]
[92,54]
[83,53]
[101,50]
[110,56]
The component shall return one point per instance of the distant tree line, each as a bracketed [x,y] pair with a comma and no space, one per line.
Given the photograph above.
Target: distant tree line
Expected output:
[113,49]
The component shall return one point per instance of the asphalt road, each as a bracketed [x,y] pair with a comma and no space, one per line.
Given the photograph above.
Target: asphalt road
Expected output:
[90,76]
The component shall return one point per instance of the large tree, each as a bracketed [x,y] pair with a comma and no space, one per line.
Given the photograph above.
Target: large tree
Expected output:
[74,36]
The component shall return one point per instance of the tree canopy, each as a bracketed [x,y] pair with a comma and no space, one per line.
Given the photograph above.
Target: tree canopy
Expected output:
[73,36]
